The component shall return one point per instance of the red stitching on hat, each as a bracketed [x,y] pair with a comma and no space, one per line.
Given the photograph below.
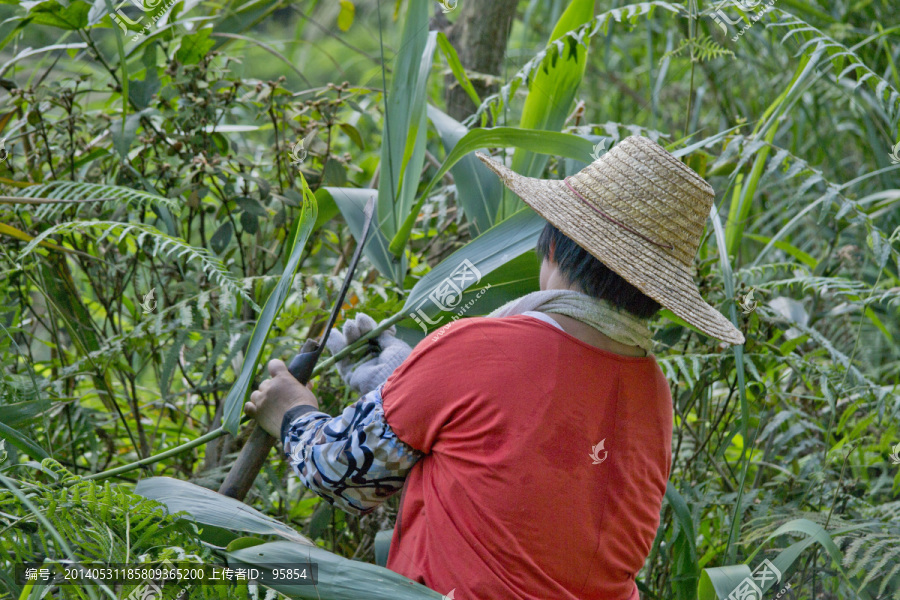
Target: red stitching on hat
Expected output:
[611,220]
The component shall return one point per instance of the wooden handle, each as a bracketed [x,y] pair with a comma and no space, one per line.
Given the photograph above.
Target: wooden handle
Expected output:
[249,462]
[253,455]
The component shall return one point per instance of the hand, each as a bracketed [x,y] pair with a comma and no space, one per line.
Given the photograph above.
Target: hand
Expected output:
[275,396]
[369,374]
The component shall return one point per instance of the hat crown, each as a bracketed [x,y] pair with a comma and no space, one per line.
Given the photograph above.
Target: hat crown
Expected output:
[643,188]
[641,212]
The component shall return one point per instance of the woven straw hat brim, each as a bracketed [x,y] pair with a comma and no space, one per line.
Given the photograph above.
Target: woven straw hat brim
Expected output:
[656,271]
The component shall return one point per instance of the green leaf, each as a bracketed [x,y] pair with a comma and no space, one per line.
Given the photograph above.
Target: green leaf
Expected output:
[22,442]
[244,542]
[512,280]
[354,135]
[345,16]
[797,253]
[456,67]
[123,136]
[142,92]
[404,132]
[489,251]
[478,190]
[70,17]
[339,578]
[717,583]
[728,280]
[244,18]
[551,93]
[211,508]
[22,412]
[234,402]
[328,208]
[351,202]
[686,568]
[220,239]
[194,46]
[546,142]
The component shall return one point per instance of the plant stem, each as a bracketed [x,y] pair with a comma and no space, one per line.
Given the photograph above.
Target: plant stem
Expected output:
[218,432]
[157,457]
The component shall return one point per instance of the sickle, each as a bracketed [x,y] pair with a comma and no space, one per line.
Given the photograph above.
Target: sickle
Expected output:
[249,462]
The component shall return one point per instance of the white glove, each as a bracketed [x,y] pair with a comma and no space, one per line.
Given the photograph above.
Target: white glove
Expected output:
[370,373]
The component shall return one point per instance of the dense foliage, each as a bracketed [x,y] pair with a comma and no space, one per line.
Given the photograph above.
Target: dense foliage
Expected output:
[153,179]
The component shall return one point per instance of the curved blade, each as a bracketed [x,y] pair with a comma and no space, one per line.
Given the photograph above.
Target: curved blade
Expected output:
[369,211]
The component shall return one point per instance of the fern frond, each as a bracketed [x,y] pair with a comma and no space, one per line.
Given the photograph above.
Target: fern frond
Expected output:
[886,95]
[67,191]
[162,245]
[599,24]
[703,49]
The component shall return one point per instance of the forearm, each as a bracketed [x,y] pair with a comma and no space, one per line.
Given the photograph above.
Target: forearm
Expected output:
[354,460]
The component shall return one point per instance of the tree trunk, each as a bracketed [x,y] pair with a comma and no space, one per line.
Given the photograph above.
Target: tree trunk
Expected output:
[480,35]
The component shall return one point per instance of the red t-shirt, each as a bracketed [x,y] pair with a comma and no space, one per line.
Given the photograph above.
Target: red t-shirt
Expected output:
[508,502]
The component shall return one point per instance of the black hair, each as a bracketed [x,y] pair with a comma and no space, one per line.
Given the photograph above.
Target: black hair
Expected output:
[594,278]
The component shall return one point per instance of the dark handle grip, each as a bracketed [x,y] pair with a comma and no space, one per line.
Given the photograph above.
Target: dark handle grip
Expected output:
[253,455]
[248,464]
[302,365]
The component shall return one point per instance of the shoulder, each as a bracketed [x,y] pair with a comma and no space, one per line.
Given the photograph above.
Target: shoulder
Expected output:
[475,329]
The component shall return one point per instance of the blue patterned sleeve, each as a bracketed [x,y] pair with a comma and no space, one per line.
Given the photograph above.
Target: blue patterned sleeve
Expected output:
[354,460]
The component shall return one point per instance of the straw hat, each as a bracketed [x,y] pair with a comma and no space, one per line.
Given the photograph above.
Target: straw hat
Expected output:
[641,212]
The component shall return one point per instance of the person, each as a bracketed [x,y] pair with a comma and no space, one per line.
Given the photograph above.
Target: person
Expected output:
[533,446]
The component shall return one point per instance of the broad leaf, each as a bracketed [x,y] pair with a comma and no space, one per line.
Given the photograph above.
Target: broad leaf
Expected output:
[211,508]
[486,253]
[339,578]
[546,142]
[351,202]
[234,402]
[403,146]
[478,191]
[551,93]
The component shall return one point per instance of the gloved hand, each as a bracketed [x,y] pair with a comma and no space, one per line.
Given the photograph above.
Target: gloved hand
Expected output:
[368,374]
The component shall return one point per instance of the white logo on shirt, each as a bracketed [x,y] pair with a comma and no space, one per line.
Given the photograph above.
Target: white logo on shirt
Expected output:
[449,596]
[595,453]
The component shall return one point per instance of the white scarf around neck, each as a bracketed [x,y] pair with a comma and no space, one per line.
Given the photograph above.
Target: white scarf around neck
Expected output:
[619,325]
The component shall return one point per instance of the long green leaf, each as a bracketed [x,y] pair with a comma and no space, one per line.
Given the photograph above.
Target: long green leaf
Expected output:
[211,508]
[718,582]
[234,402]
[478,190]
[551,93]
[686,572]
[547,142]
[403,147]
[22,442]
[339,578]
[491,250]
[351,202]
[728,280]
